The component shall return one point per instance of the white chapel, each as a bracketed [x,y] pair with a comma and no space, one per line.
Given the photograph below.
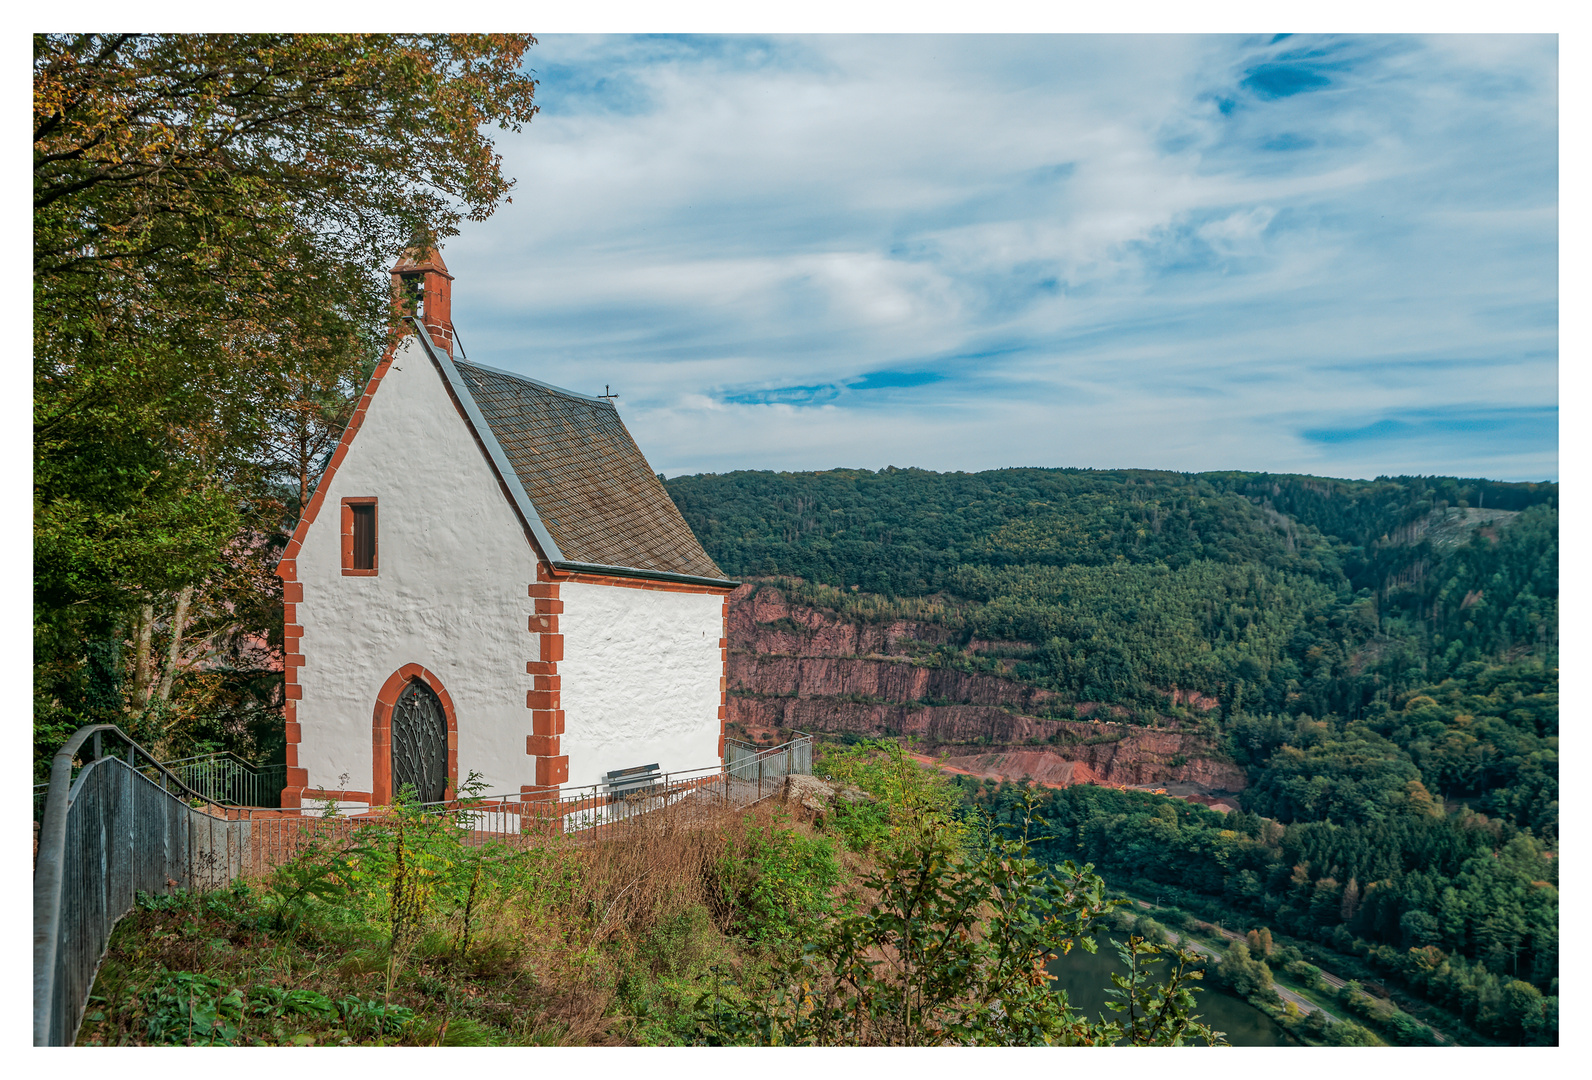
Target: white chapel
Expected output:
[491,578]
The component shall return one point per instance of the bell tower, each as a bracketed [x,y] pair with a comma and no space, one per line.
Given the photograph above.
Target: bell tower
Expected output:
[422,287]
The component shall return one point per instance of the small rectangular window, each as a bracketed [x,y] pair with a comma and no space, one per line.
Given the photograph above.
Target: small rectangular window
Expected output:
[359,537]
[365,537]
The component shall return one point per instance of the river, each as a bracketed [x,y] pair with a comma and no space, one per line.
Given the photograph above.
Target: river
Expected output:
[1086,978]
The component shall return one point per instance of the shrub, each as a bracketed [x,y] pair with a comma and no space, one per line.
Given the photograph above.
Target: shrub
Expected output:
[779,880]
[900,788]
[1305,973]
[1152,931]
[947,953]
[1348,1033]
[1246,976]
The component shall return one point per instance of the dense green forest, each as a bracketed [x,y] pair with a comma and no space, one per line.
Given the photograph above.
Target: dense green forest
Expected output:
[1460,909]
[1274,593]
[1385,656]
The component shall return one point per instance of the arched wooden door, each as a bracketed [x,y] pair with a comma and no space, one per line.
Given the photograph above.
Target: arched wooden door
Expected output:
[420,742]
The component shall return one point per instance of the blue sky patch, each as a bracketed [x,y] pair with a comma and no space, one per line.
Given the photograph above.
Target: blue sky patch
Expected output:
[881,380]
[1050,174]
[1272,81]
[786,395]
[1532,426]
[1287,141]
[584,88]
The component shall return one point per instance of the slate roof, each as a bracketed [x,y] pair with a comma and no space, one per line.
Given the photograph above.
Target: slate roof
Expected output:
[594,492]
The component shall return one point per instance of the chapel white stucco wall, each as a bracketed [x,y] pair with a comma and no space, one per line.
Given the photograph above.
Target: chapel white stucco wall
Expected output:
[450,591]
[640,678]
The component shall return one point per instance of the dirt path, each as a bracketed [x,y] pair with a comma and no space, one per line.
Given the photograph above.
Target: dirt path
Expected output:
[946,766]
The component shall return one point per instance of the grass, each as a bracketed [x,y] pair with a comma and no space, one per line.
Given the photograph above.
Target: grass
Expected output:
[1328,1003]
[568,944]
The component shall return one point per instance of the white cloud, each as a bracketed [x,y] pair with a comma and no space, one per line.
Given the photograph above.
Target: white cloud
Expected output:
[1239,232]
[1114,250]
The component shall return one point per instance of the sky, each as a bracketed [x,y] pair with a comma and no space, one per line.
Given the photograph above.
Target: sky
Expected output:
[1329,255]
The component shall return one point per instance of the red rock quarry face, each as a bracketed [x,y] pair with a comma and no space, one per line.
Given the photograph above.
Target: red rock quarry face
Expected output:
[797,667]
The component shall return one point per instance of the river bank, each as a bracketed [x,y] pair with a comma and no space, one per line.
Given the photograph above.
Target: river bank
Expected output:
[1086,978]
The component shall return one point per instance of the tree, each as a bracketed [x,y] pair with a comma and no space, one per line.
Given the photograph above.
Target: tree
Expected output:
[952,951]
[1260,944]
[1523,1010]
[212,214]
[1243,974]
[1348,1033]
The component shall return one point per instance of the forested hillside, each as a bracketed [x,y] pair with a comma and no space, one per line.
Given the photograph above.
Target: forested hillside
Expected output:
[1380,657]
[1274,594]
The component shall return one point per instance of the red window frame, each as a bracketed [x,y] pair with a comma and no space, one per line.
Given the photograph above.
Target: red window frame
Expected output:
[348,536]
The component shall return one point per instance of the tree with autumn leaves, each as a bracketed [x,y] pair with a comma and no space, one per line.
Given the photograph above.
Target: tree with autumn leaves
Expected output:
[213,218]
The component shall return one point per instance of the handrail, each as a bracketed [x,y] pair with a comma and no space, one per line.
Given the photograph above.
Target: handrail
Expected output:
[800,736]
[52,853]
[230,779]
[215,755]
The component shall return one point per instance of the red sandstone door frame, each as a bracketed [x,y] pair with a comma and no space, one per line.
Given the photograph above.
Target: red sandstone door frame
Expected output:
[381,732]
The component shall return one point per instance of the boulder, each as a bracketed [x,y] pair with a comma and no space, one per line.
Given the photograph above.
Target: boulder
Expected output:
[814,794]
[808,791]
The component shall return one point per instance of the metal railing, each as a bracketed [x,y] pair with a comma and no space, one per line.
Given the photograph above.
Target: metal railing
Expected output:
[226,778]
[128,824]
[526,818]
[222,777]
[121,827]
[765,767]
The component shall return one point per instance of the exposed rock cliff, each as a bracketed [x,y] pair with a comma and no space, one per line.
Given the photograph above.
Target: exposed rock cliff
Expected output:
[889,679]
[803,668]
